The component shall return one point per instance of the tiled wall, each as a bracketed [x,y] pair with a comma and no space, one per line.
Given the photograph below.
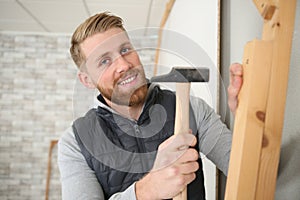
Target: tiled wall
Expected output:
[37,79]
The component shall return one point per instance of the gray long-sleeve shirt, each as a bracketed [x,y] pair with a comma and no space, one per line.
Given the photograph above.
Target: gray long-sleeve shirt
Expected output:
[79,180]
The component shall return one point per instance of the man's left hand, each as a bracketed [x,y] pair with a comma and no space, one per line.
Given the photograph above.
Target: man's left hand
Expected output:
[236,81]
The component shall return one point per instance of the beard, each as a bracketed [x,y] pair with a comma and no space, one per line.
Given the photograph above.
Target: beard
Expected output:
[132,96]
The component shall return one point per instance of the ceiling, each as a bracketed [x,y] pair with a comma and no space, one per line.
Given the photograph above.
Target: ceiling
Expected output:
[63,16]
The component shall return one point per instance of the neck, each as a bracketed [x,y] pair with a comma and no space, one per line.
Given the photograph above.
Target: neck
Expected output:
[132,112]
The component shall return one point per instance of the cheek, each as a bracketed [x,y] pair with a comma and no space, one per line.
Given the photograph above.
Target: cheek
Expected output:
[105,79]
[137,59]
[134,58]
[96,79]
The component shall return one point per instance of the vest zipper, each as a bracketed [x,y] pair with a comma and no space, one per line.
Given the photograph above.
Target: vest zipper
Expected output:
[138,138]
[140,143]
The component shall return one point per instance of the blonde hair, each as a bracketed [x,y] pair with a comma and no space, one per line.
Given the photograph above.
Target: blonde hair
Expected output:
[98,23]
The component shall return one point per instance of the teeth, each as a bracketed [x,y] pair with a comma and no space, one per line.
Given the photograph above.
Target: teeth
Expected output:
[127,80]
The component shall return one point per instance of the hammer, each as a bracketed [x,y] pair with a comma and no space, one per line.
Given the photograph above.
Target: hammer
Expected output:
[183,76]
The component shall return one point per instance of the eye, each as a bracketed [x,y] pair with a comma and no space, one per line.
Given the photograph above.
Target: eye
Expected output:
[104,62]
[125,50]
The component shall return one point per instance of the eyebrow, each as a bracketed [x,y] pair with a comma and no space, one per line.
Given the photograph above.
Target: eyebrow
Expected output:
[125,44]
[121,46]
[98,58]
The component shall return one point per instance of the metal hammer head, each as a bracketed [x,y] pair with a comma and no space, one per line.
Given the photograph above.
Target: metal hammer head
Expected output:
[184,74]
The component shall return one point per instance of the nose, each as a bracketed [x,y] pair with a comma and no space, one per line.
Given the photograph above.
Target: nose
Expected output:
[122,64]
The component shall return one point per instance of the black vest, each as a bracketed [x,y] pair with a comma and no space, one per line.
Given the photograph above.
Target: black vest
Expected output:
[122,151]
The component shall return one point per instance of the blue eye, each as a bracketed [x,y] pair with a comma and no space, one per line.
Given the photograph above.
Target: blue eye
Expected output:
[125,50]
[105,61]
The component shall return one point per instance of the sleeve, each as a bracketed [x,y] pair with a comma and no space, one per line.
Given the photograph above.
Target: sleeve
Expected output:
[213,135]
[129,194]
[78,180]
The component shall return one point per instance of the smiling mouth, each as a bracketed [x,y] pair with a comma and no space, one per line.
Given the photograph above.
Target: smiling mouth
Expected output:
[128,80]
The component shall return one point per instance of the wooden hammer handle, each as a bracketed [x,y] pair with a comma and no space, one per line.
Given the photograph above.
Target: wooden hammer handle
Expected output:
[182,122]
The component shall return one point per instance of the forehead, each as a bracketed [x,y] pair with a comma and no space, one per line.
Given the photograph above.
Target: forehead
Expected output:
[104,41]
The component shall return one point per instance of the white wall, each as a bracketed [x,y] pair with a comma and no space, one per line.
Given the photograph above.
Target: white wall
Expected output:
[190,39]
[241,23]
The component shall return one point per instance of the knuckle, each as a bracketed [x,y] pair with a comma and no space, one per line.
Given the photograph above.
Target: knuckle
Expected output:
[189,139]
[181,136]
[181,180]
[193,176]
[229,90]
[193,153]
[160,147]
[196,166]
[230,104]
[232,91]
[190,178]
[173,171]
[235,66]
[186,137]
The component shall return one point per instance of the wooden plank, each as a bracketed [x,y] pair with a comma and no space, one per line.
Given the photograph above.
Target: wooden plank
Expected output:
[255,177]
[280,29]
[249,124]
[266,8]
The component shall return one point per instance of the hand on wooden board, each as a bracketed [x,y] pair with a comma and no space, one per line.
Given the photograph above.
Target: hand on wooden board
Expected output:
[236,81]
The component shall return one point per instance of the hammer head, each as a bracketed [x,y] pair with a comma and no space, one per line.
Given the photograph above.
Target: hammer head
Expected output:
[183,75]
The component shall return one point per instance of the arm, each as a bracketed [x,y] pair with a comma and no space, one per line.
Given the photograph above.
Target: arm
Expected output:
[78,181]
[213,135]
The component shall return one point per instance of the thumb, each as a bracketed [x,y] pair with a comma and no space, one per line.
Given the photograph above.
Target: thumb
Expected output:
[166,143]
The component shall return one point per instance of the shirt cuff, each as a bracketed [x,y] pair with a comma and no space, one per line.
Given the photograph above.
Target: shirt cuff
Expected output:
[128,194]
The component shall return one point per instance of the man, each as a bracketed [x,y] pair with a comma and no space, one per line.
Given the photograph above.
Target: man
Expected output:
[125,148]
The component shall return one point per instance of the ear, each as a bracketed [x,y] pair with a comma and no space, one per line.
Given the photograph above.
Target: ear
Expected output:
[86,80]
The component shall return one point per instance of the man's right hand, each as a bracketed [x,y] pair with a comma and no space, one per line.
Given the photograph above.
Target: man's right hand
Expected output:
[174,168]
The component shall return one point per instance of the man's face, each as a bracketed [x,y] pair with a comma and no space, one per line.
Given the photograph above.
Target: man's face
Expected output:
[114,67]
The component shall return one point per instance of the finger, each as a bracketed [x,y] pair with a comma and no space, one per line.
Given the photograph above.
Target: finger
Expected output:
[182,142]
[188,141]
[232,92]
[236,69]
[166,143]
[188,178]
[188,155]
[189,167]
[194,142]
[232,97]
[179,141]
[236,74]
[237,82]
[176,158]
[178,179]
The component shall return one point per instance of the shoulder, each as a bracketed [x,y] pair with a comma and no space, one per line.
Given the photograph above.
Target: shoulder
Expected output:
[202,110]
[160,93]
[67,142]
[86,121]
[199,104]
[90,114]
